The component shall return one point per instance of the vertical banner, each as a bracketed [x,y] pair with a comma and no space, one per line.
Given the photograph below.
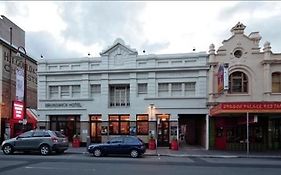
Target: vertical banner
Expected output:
[220,79]
[18,110]
[19,84]
[225,76]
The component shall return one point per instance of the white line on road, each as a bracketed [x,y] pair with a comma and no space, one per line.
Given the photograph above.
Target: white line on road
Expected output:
[56,168]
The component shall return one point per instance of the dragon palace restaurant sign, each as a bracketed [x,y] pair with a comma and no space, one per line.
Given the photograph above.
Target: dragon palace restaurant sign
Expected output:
[244,107]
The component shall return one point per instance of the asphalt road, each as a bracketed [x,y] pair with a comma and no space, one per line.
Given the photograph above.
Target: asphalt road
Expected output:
[79,164]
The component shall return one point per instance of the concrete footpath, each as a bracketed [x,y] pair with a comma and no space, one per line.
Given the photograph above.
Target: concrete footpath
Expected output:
[196,152]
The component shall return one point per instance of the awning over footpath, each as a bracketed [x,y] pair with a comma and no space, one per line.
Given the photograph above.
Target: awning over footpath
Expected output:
[31,115]
[244,107]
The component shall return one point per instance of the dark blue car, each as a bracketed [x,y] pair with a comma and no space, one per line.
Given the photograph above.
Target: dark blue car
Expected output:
[130,145]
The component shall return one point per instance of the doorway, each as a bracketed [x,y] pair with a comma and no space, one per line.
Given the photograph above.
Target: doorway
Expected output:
[192,129]
[163,126]
[68,125]
[95,128]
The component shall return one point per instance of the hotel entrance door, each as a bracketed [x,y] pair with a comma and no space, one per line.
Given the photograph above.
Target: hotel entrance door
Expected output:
[163,130]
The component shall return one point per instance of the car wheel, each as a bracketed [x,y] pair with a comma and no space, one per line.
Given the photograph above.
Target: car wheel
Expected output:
[97,153]
[7,149]
[134,153]
[45,150]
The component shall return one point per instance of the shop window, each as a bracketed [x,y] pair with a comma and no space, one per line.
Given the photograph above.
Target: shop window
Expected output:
[238,82]
[276,133]
[119,124]
[276,82]
[142,124]
[219,132]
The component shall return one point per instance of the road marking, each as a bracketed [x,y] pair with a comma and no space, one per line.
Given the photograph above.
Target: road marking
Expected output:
[55,168]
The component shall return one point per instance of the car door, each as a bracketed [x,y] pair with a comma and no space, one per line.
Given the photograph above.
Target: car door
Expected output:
[115,146]
[37,139]
[23,141]
[129,144]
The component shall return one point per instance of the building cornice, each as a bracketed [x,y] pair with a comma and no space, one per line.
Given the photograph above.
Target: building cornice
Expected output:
[101,71]
[271,61]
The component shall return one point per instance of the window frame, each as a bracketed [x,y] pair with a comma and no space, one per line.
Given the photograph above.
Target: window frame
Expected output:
[142,88]
[75,93]
[189,88]
[176,89]
[53,92]
[118,121]
[64,93]
[234,79]
[276,84]
[119,95]
[143,121]
[95,89]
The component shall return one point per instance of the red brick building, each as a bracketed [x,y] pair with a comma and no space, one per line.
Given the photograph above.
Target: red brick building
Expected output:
[12,40]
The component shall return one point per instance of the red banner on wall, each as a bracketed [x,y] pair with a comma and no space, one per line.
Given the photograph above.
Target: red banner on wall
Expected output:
[18,110]
[244,107]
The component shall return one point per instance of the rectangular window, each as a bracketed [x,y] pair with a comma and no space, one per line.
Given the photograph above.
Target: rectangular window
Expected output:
[276,82]
[163,89]
[119,124]
[142,88]
[64,92]
[53,92]
[119,95]
[76,91]
[176,89]
[95,89]
[142,124]
[189,88]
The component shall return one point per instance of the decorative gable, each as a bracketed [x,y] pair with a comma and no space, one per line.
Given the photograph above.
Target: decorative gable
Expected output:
[118,49]
[238,28]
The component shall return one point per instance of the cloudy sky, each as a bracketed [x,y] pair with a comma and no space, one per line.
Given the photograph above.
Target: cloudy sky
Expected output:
[58,29]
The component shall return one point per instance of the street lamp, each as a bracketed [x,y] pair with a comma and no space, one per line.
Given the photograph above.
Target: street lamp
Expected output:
[25,82]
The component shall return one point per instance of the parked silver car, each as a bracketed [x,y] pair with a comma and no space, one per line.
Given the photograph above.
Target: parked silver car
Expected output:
[44,141]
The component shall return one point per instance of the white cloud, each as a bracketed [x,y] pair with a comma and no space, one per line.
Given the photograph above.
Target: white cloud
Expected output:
[157,27]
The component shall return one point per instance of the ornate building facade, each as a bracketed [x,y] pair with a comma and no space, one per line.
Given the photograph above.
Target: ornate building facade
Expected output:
[244,93]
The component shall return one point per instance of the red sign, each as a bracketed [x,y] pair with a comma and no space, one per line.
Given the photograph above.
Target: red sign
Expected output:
[18,110]
[244,107]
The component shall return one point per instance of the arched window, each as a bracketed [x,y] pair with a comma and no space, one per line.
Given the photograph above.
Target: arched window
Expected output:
[276,82]
[238,83]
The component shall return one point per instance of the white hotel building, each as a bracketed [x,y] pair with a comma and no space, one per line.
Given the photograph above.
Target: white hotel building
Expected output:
[123,93]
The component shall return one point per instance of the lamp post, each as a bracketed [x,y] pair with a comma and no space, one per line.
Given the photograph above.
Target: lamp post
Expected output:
[25,83]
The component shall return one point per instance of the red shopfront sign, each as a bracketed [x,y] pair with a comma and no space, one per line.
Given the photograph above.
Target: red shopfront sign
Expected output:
[18,110]
[244,107]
